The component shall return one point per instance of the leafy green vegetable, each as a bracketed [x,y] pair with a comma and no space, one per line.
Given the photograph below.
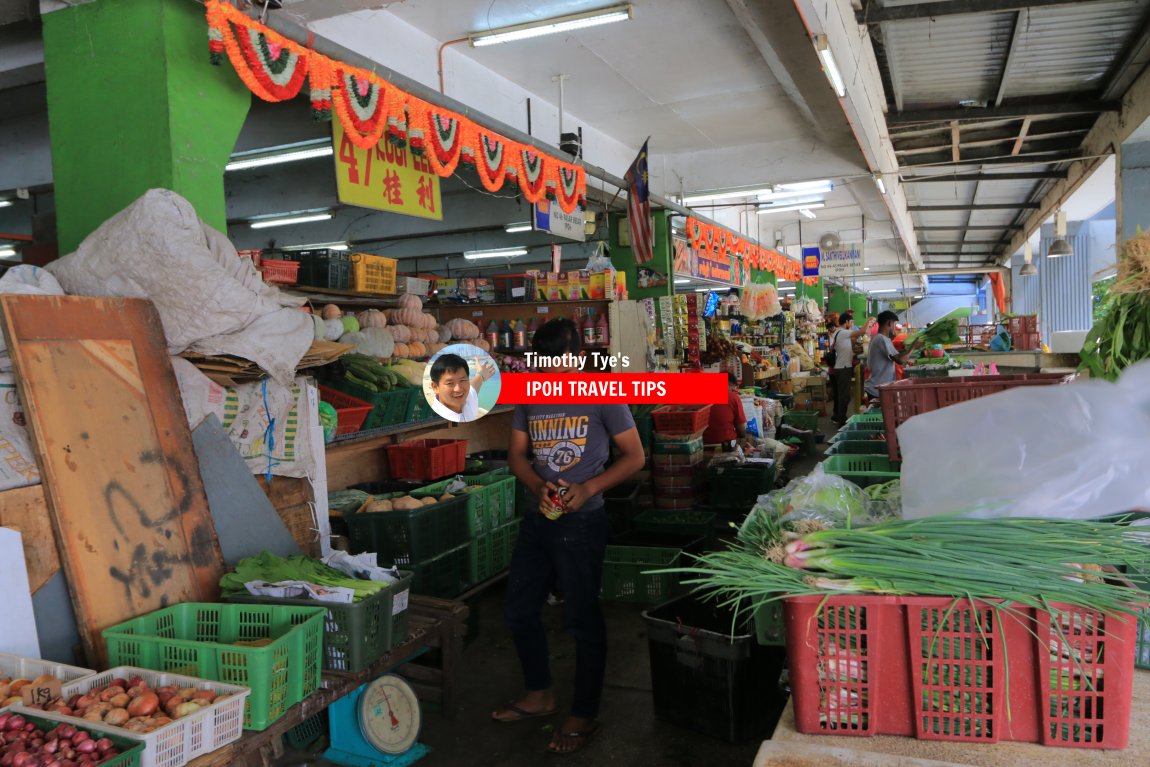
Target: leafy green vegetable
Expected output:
[1119,338]
[943,331]
[272,568]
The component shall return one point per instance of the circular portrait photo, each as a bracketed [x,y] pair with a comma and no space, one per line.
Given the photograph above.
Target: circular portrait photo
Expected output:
[461,383]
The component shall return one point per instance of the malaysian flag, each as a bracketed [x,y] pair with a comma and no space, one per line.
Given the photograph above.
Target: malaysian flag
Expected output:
[639,209]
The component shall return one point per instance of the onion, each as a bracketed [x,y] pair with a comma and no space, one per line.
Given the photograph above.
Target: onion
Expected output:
[4,721]
[52,746]
[79,737]
[67,730]
[104,745]
[87,747]
[16,722]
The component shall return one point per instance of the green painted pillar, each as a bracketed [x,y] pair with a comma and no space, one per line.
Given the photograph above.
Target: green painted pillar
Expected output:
[133,104]
[839,299]
[624,260]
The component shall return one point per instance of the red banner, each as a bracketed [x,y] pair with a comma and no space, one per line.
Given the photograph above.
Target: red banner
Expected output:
[613,388]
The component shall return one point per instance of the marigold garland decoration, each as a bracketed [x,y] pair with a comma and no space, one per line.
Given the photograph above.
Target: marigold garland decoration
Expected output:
[274,68]
[719,242]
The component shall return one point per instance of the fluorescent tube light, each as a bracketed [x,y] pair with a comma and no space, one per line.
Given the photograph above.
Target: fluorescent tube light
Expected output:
[866,268]
[918,296]
[478,255]
[317,246]
[695,199]
[830,68]
[823,185]
[241,162]
[681,281]
[302,218]
[879,183]
[806,212]
[7,251]
[703,290]
[552,26]
[790,208]
[522,226]
[6,203]
[888,290]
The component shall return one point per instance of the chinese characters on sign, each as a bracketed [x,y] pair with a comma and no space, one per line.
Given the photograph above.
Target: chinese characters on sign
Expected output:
[385,177]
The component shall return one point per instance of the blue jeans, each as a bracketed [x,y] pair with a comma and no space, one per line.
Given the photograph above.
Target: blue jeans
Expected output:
[567,553]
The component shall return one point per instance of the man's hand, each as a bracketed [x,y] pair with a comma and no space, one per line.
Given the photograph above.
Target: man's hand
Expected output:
[543,493]
[577,494]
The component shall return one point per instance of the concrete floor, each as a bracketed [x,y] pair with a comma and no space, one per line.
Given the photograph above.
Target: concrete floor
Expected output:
[631,735]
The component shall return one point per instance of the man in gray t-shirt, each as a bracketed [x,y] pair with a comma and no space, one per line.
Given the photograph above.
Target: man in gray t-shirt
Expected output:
[557,447]
[882,356]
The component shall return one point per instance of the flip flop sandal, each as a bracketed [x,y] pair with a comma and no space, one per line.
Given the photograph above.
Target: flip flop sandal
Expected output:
[581,740]
[520,714]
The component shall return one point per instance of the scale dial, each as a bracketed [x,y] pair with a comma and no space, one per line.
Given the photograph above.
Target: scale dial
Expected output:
[389,714]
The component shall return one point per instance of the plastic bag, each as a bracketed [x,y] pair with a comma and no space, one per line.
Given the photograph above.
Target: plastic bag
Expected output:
[820,497]
[1074,451]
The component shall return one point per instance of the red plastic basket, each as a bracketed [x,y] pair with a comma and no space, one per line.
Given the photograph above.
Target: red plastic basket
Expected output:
[352,412]
[681,419]
[936,669]
[905,399]
[282,272]
[425,459]
[1027,323]
[1026,342]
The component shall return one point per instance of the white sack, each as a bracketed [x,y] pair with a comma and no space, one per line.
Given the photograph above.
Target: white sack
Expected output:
[1070,451]
[209,300]
[25,280]
[18,466]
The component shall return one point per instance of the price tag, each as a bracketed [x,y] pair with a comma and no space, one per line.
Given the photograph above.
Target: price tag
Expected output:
[518,292]
[41,694]
[399,602]
[477,313]
[543,309]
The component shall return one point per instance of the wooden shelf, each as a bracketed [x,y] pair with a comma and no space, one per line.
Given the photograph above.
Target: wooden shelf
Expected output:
[482,305]
[333,296]
[383,436]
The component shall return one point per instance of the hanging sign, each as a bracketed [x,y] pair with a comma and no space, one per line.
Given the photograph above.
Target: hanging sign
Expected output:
[385,177]
[549,217]
[844,262]
[702,264]
[811,262]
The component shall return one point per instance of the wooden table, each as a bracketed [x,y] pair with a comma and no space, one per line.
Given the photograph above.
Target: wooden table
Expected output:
[432,623]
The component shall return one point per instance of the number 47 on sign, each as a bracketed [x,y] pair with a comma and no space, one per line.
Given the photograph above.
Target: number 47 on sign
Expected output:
[385,177]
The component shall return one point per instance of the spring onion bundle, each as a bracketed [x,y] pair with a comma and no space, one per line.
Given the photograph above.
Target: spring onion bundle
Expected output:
[944,331]
[1036,562]
[272,568]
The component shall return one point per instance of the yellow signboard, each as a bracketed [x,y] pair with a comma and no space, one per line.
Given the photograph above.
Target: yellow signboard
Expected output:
[385,177]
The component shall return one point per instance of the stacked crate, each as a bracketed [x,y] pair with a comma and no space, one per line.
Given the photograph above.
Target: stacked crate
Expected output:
[677,470]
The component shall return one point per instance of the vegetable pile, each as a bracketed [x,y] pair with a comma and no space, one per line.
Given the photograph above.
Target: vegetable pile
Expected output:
[10,689]
[944,331]
[133,705]
[369,373]
[272,568]
[26,745]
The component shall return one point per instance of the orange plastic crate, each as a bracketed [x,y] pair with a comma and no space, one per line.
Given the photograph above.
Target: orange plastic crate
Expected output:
[426,459]
[936,669]
[351,412]
[282,272]
[681,419]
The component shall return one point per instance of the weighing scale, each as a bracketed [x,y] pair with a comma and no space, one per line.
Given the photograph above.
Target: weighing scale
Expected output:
[376,726]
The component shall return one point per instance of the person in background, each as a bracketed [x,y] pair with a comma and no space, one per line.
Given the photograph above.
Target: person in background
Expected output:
[882,357]
[728,422]
[559,453]
[842,374]
[456,392]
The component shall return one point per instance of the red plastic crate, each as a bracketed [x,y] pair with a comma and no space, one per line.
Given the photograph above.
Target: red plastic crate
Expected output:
[350,411]
[426,459]
[934,669]
[681,419]
[1027,323]
[282,272]
[905,399]
[1026,342]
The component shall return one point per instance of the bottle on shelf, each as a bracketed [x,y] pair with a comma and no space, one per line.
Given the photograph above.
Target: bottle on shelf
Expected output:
[506,336]
[602,331]
[492,335]
[587,326]
[519,331]
[531,328]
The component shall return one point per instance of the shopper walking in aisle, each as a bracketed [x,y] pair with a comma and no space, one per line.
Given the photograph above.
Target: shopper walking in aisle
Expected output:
[882,356]
[842,368]
[559,453]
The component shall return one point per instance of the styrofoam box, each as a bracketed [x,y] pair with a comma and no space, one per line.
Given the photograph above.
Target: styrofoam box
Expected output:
[19,667]
[181,741]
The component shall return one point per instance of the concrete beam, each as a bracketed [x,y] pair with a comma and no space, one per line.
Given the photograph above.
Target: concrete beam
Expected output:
[1103,140]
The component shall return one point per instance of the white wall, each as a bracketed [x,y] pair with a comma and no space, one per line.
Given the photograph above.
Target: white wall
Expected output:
[933,308]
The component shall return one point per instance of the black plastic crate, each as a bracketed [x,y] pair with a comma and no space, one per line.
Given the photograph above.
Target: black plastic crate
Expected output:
[705,679]
[407,539]
[324,268]
[445,576]
[622,504]
[691,544]
[738,487]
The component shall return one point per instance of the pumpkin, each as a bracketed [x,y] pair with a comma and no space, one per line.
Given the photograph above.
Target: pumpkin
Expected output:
[410,301]
[320,328]
[429,321]
[481,343]
[333,329]
[401,350]
[443,334]
[417,349]
[372,318]
[401,333]
[405,316]
[331,312]
[463,330]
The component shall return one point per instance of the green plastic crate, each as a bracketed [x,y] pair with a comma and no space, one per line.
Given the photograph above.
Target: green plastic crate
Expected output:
[802,419]
[503,543]
[388,407]
[770,628]
[858,447]
[738,487]
[862,426]
[479,565]
[863,470]
[407,538]
[1142,641]
[445,576]
[645,426]
[487,508]
[671,445]
[624,579]
[358,634]
[131,751]
[199,639]
[685,522]
[307,732]
[870,417]
[419,409]
[511,540]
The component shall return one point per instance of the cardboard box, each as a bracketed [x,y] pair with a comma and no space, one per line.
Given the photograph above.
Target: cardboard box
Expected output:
[578,285]
[556,286]
[597,285]
[783,387]
[541,290]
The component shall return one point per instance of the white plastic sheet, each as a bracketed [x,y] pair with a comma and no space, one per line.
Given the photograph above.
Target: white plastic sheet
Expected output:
[1075,451]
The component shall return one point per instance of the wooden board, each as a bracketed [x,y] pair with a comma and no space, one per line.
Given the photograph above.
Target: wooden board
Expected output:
[25,510]
[120,476]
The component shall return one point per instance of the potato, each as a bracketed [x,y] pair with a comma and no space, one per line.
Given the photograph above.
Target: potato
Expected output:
[380,505]
[445,497]
[429,501]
